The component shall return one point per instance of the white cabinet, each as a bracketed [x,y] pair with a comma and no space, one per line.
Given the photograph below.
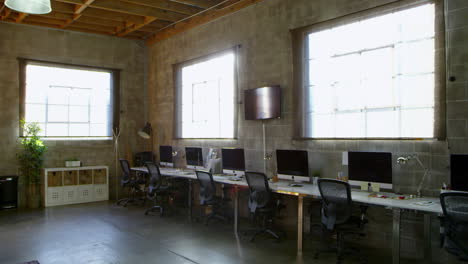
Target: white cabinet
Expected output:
[76,185]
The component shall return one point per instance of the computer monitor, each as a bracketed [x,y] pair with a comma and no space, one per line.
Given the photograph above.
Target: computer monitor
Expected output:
[292,165]
[165,154]
[194,158]
[233,161]
[370,167]
[459,172]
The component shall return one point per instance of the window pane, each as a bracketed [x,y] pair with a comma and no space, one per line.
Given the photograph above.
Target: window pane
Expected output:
[323,126]
[57,130]
[79,114]
[81,130]
[57,113]
[35,113]
[417,123]
[350,125]
[417,90]
[382,124]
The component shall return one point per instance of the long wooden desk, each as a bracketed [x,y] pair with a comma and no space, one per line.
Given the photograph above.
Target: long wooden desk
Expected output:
[309,190]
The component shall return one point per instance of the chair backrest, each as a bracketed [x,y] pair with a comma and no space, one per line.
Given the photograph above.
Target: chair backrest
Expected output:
[336,202]
[455,209]
[125,170]
[154,176]
[207,186]
[260,194]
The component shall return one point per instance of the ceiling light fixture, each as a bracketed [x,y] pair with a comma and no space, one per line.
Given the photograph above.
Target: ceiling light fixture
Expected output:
[30,6]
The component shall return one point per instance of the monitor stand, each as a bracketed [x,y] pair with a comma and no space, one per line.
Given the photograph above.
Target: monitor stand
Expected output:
[193,167]
[167,164]
[294,178]
[234,172]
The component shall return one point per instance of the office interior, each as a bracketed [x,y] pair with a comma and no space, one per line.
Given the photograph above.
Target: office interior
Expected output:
[145,54]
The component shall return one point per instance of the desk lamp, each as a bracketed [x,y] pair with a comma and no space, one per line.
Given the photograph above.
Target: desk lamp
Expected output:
[405,159]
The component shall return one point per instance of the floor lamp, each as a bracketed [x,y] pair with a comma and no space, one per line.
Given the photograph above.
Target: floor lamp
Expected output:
[116,135]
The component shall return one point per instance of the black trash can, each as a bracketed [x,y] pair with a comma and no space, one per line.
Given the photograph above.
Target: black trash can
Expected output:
[8,192]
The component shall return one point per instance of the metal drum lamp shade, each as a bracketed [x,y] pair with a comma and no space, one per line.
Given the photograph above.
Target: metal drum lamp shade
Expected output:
[30,6]
[146,131]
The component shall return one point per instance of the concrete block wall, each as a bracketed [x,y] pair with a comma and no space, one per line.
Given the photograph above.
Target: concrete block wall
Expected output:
[266,58]
[75,48]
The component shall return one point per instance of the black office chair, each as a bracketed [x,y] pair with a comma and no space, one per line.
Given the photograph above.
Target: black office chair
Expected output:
[128,182]
[455,237]
[157,192]
[261,204]
[208,197]
[336,214]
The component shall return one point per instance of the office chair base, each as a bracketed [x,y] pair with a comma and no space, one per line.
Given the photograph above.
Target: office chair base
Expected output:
[125,201]
[265,231]
[155,208]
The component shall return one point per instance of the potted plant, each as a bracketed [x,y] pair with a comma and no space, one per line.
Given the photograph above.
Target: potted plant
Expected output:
[31,160]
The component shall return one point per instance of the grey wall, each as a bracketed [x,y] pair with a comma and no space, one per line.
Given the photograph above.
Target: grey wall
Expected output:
[75,48]
[266,58]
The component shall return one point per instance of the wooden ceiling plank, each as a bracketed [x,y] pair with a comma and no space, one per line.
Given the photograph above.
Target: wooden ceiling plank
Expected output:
[200,3]
[135,27]
[129,8]
[57,15]
[41,24]
[168,5]
[78,24]
[44,20]
[86,30]
[63,7]
[101,21]
[198,20]
[116,16]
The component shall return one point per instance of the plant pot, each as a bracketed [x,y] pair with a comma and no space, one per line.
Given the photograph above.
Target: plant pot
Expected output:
[34,196]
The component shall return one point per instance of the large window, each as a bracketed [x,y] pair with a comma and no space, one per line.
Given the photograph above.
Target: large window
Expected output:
[68,102]
[206,96]
[372,78]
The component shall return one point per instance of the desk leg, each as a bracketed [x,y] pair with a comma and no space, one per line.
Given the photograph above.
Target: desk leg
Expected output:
[236,209]
[189,200]
[300,221]
[427,239]
[396,236]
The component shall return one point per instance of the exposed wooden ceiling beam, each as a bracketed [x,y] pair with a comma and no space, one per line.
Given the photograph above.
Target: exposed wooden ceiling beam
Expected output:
[200,3]
[203,18]
[135,27]
[134,9]
[168,5]
[81,8]
[7,12]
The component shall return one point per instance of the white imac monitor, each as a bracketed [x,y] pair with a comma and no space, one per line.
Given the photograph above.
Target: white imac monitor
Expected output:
[165,155]
[293,165]
[194,157]
[370,167]
[233,161]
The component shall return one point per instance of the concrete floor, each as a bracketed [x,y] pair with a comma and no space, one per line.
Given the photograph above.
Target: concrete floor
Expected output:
[103,233]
